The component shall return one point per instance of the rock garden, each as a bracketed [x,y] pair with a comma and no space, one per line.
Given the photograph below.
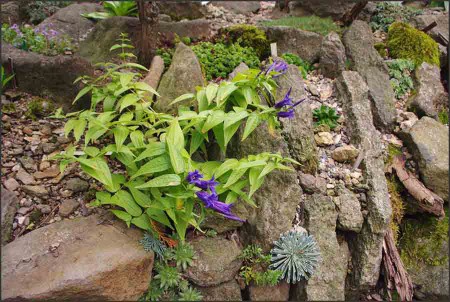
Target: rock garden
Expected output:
[224,151]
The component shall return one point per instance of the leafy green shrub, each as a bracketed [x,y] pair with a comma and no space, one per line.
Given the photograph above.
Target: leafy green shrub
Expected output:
[37,11]
[219,60]
[322,26]
[406,42]
[400,74]
[387,13]
[325,115]
[303,66]
[162,185]
[247,36]
[166,54]
[114,8]
[255,269]
[46,41]
[296,255]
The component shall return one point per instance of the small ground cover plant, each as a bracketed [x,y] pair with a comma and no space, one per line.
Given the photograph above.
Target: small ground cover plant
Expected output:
[44,41]
[255,267]
[325,115]
[303,65]
[38,11]
[322,26]
[143,159]
[387,13]
[400,74]
[114,8]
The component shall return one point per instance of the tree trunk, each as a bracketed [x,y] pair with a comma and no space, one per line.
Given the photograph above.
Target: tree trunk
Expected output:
[148,17]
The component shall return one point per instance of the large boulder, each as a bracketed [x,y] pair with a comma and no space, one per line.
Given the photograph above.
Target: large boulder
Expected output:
[332,56]
[79,259]
[227,291]
[303,43]
[298,130]
[68,20]
[427,140]
[322,8]
[422,21]
[277,198]
[358,41]
[279,292]
[47,76]
[354,94]
[217,261]
[105,33]
[430,94]
[9,205]
[328,281]
[183,75]
[239,7]
[182,9]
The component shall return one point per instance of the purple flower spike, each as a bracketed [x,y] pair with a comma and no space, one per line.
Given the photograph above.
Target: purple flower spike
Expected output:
[286,101]
[298,103]
[211,201]
[286,114]
[206,184]
[194,176]
[278,66]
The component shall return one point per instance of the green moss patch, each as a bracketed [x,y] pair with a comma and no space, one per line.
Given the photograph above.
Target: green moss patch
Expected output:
[322,26]
[247,36]
[406,42]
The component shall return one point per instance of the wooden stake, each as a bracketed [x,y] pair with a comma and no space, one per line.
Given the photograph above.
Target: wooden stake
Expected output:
[273,50]
[429,27]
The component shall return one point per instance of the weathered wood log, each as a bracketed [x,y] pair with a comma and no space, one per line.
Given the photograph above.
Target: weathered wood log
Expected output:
[444,39]
[395,274]
[429,27]
[428,201]
[154,75]
[351,15]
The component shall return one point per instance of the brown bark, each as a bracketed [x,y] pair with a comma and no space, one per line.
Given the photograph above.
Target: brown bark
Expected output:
[148,17]
[429,27]
[427,200]
[395,274]
[350,16]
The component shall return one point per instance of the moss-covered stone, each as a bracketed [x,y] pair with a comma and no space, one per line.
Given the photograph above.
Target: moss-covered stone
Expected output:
[247,36]
[381,48]
[39,107]
[406,42]
[398,208]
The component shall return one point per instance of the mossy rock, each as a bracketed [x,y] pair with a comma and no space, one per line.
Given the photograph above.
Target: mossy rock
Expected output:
[247,36]
[39,107]
[381,48]
[406,42]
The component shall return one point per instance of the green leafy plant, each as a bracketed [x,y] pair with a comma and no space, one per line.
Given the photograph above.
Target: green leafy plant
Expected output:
[255,269]
[182,254]
[247,36]
[114,8]
[142,158]
[219,60]
[322,26]
[45,41]
[387,13]
[190,294]
[381,48]
[296,255]
[400,74]
[151,244]
[406,42]
[5,78]
[325,115]
[166,54]
[211,233]
[443,116]
[303,66]
[37,11]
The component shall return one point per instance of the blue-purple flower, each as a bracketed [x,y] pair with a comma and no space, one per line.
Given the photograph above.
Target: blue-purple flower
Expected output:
[287,102]
[278,66]
[210,199]
[16,28]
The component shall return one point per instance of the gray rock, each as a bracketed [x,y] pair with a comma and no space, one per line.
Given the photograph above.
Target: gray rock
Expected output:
[77,185]
[305,44]
[217,261]
[350,217]
[67,207]
[279,292]
[182,10]
[240,68]
[38,191]
[328,281]
[48,147]
[239,7]
[227,291]
[311,183]
[332,56]
[358,41]
[183,75]
[28,163]
[58,71]
[422,21]
[48,173]
[79,259]
[164,18]
[345,153]
[354,94]
[9,203]
[276,207]
[11,184]
[298,131]
[10,12]
[24,177]
[322,8]
[221,224]
[68,20]
[430,94]
[427,141]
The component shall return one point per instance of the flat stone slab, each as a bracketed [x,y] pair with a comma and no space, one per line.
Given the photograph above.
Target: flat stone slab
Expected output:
[76,259]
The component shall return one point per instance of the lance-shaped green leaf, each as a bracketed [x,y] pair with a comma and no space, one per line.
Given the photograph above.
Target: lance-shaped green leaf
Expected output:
[215,118]
[97,169]
[211,91]
[158,164]
[137,138]
[252,122]
[235,176]
[166,180]
[142,222]
[182,97]
[153,149]
[128,100]
[123,215]
[175,143]
[120,135]
[124,200]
